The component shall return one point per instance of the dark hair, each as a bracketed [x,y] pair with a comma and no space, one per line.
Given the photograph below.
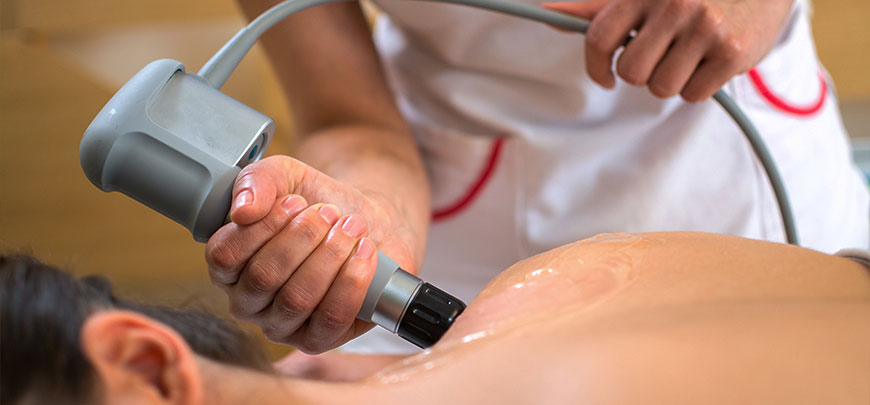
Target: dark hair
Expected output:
[42,310]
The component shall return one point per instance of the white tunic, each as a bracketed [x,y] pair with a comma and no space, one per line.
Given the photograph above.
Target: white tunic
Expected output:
[526,153]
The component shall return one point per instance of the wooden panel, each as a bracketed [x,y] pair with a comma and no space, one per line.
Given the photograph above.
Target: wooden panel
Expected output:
[842,31]
[61,15]
[48,207]
[840,26]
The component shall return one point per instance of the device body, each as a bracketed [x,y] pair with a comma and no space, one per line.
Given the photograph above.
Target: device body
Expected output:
[176,144]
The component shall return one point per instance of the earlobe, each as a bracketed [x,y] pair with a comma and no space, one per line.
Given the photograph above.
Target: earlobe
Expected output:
[139,358]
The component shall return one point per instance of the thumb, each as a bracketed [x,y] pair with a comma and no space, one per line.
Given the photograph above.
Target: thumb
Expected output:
[260,183]
[583,9]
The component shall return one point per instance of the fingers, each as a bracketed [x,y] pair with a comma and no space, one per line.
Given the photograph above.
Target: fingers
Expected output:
[331,323]
[707,80]
[329,279]
[677,67]
[607,32]
[230,248]
[686,47]
[301,273]
[705,57]
[643,53]
[275,262]
[258,184]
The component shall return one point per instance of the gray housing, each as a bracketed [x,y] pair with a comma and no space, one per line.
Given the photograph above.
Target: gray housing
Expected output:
[172,142]
[176,144]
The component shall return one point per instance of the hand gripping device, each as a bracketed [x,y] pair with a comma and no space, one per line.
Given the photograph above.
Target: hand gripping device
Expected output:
[176,144]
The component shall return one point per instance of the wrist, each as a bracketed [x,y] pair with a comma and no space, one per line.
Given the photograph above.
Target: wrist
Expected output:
[385,168]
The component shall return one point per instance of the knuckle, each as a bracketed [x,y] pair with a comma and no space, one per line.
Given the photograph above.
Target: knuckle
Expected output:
[356,280]
[630,73]
[334,319]
[596,40]
[312,345]
[731,51]
[293,303]
[220,255]
[256,169]
[679,7]
[305,348]
[691,95]
[238,311]
[622,7]
[274,335]
[712,24]
[661,90]
[307,230]
[274,223]
[263,277]
[335,251]
[248,172]
[595,44]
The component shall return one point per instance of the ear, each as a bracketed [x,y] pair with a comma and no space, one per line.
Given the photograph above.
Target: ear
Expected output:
[140,359]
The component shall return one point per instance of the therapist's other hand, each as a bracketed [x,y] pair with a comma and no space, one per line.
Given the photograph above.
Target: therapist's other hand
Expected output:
[686,47]
[296,266]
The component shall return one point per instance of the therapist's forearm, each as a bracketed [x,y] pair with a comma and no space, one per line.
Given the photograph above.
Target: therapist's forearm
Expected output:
[344,114]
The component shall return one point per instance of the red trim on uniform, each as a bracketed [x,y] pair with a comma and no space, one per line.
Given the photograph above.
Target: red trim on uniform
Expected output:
[474,190]
[783,105]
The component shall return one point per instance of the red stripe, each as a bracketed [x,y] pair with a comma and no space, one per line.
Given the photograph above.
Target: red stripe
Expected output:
[783,105]
[471,194]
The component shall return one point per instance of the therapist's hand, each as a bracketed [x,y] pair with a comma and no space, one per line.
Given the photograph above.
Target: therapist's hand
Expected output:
[300,252]
[686,47]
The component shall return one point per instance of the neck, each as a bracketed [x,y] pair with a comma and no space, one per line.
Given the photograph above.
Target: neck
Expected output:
[234,385]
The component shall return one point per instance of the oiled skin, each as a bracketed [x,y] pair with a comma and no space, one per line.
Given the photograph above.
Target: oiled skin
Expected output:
[696,317]
[662,318]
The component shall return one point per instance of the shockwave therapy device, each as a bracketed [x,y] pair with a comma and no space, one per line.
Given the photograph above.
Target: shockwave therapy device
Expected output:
[172,141]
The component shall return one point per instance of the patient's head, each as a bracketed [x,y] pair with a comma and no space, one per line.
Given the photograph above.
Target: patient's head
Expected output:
[70,340]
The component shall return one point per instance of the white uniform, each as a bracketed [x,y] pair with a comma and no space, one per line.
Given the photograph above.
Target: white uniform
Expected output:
[526,153]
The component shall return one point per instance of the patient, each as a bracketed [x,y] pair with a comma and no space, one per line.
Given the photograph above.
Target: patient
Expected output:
[669,317]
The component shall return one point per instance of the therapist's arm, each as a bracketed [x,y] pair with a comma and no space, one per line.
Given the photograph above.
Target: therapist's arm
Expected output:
[295,267]
[343,112]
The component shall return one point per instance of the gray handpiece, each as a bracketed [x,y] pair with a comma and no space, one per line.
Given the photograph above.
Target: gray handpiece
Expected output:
[176,144]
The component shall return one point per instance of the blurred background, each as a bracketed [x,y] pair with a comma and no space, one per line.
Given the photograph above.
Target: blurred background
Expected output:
[60,61]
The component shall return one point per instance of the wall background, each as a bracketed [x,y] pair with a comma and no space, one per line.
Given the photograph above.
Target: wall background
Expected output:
[60,61]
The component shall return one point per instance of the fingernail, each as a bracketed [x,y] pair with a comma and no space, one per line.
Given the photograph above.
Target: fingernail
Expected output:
[293,204]
[365,248]
[354,226]
[330,213]
[244,198]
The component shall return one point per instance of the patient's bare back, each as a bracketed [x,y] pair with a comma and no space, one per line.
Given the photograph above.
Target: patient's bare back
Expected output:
[682,316]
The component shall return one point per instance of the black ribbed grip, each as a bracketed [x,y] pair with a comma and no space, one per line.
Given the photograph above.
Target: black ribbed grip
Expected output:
[429,315]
